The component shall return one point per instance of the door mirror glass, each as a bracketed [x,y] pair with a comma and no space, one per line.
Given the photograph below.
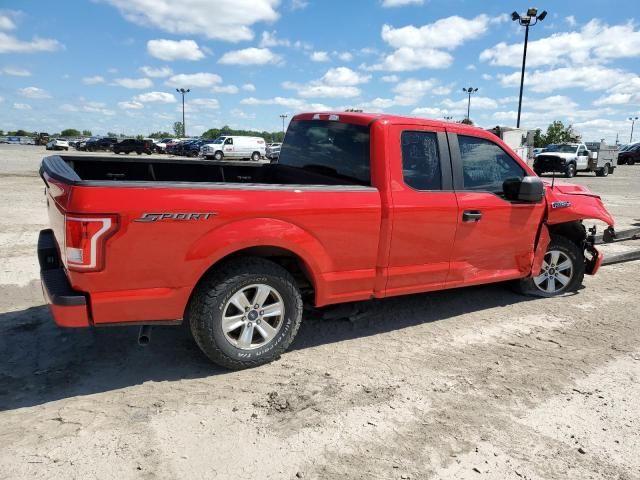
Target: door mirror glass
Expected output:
[527,189]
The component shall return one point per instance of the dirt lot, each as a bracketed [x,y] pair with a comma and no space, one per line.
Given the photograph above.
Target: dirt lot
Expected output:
[475,383]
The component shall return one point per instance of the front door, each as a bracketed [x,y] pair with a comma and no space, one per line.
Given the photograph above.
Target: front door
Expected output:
[424,209]
[495,237]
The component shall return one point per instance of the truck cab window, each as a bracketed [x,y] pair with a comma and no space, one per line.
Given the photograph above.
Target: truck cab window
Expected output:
[229,141]
[421,160]
[337,152]
[485,166]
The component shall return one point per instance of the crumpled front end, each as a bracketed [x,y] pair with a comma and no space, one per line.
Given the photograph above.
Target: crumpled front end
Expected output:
[569,203]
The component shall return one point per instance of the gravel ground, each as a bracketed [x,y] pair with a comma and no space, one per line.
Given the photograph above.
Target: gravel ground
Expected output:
[465,384]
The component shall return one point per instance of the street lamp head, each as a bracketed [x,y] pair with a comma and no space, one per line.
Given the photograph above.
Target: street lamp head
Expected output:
[515,16]
[532,12]
[542,16]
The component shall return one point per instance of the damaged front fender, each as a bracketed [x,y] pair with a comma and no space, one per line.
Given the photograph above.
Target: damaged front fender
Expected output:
[569,203]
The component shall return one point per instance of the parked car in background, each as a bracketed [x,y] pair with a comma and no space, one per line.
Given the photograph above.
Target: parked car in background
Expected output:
[192,148]
[161,145]
[105,143]
[629,156]
[235,147]
[537,151]
[171,145]
[57,144]
[130,145]
[272,151]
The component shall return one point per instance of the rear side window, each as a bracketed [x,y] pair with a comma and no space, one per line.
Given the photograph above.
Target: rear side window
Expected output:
[485,166]
[421,160]
[333,149]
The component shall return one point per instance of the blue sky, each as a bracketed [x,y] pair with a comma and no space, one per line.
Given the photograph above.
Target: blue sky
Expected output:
[113,65]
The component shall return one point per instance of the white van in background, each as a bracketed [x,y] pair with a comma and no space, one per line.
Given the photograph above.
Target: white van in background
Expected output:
[233,147]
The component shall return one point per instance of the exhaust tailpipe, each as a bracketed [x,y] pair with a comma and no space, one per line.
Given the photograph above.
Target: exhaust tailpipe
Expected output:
[144,336]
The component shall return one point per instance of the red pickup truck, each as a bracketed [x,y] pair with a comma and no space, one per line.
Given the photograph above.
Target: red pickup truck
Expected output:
[358,206]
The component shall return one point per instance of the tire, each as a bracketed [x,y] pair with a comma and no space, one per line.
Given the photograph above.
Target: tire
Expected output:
[255,156]
[66,149]
[540,286]
[212,302]
[218,155]
[631,162]
[604,171]
[570,171]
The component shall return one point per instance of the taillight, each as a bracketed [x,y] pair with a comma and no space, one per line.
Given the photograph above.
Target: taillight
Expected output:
[85,237]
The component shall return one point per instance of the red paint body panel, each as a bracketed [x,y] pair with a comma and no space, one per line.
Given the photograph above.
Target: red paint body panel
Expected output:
[70,316]
[582,204]
[356,244]
[541,248]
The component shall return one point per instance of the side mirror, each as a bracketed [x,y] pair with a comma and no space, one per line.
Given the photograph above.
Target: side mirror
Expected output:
[527,189]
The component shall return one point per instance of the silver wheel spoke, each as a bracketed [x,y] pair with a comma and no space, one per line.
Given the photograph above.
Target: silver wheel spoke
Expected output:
[244,341]
[545,264]
[231,323]
[241,301]
[262,293]
[564,265]
[266,330]
[555,256]
[551,285]
[539,279]
[272,310]
[563,279]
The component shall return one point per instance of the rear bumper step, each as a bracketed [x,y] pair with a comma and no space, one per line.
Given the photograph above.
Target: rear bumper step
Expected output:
[68,306]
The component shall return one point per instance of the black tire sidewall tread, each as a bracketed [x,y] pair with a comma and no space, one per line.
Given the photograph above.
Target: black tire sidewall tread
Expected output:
[205,311]
[527,286]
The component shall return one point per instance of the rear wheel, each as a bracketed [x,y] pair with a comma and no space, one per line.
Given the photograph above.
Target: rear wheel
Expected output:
[255,156]
[604,171]
[562,270]
[218,155]
[631,161]
[570,170]
[246,313]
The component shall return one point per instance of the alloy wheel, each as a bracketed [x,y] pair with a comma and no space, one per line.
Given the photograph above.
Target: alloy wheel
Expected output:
[556,274]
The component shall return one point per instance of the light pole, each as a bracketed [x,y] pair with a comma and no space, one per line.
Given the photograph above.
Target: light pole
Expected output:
[469,91]
[283,116]
[183,92]
[633,121]
[526,21]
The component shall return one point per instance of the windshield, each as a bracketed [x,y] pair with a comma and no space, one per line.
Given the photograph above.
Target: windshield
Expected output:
[561,148]
[219,140]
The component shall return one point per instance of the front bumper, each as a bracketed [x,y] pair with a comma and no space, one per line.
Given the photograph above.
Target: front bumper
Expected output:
[68,306]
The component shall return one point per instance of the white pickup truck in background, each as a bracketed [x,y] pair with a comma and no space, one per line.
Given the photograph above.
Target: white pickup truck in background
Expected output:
[569,158]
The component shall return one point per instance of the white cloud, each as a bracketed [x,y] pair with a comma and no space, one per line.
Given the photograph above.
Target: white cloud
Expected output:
[270,39]
[400,3]
[249,56]
[33,92]
[345,56]
[131,105]
[430,112]
[67,107]
[291,103]
[593,77]
[228,20]
[414,90]
[93,80]
[390,78]
[132,83]
[249,87]
[571,20]
[447,33]
[627,92]
[10,44]
[16,72]
[299,4]
[159,72]
[6,23]
[595,42]
[188,80]
[476,102]
[170,50]
[407,59]
[337,82]
[209,103]
[21,106]
[319,57]
[87,106]
[226,89]
[155,97]
[343,76]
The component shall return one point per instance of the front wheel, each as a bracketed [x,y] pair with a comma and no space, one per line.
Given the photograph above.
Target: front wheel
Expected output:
[570,171]
[255,156]
[246,313]
[218,155]
[562,270]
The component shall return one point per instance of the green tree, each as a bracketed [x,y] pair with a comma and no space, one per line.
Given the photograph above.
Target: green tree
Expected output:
[112,134]
[160,135]
[87,133]
[269,137]
[70,132]
[178,129]
[558,133]
[467,121]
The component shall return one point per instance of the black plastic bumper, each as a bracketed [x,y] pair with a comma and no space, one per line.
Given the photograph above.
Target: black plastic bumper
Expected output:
[55,284]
